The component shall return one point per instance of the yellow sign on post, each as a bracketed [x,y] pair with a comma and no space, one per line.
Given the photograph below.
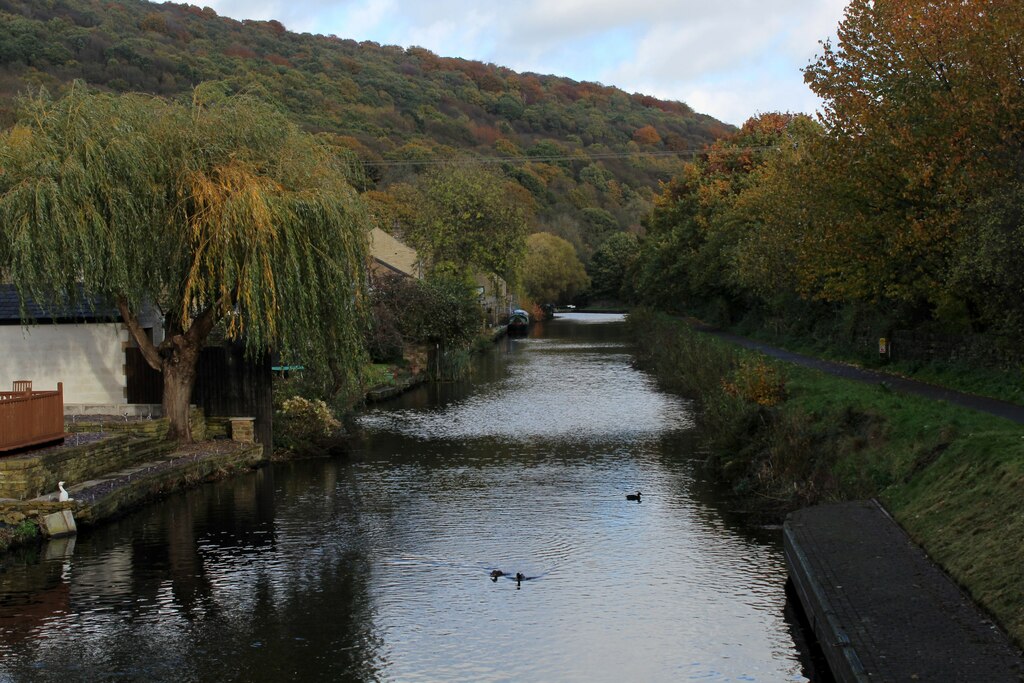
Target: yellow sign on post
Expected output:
[883,347]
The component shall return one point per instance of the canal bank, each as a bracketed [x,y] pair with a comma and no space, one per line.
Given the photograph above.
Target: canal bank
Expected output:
[787,437]
[111,466]
[406,378]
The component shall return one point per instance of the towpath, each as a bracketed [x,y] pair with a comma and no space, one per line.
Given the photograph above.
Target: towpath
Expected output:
[880,609]
[1009,411]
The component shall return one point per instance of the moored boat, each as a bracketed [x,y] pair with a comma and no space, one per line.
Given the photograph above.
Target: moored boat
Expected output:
[519,322]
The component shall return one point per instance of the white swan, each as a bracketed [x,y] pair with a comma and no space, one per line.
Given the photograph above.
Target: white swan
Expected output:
[63,493]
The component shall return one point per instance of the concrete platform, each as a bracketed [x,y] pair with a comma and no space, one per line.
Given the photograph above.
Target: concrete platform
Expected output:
[881,610]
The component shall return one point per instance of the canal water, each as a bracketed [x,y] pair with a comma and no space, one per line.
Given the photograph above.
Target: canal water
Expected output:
[378,566]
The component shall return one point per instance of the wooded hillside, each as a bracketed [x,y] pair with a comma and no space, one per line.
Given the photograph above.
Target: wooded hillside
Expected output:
[590,155]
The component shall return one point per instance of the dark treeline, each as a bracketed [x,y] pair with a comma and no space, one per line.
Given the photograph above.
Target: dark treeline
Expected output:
[900,208]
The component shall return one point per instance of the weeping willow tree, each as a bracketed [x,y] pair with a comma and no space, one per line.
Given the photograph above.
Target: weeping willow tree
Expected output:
[218,211]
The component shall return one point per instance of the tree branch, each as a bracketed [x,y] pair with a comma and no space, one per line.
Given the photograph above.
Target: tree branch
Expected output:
[146,346]
[202,325]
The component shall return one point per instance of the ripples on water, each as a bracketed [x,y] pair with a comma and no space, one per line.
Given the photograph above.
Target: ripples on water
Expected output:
[568,391]
[377,567]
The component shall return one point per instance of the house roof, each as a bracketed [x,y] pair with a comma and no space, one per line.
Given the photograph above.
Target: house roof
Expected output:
[84,309]
[393,254]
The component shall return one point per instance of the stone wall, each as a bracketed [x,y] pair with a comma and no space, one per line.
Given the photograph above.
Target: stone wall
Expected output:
[139,490]
[218,428]
[14,513]
[34,474]
[150,486]
[973,350]
[156,428]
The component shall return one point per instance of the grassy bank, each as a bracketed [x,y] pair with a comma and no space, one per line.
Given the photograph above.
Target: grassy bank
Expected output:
[1002,384]
[786,437]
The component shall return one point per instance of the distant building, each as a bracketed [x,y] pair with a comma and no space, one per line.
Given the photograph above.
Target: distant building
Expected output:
[388,255]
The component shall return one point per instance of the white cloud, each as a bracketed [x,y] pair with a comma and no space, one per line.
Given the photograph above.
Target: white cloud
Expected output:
[736,101]
[299,16]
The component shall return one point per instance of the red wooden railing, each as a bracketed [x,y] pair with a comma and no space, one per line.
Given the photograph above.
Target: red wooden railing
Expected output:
[28,418]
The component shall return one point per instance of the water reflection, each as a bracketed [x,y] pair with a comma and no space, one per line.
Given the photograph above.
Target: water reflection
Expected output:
[378,567]
[211,585]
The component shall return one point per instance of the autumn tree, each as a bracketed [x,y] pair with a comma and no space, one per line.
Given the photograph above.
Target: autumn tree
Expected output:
[552,272]
[218,211]
[647,135]
[689,256]
[778,217]
[923,111]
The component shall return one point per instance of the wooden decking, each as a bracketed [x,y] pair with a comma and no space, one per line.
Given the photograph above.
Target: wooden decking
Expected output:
[29,418]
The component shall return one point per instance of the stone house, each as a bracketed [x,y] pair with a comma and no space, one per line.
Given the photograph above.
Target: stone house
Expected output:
[495,297]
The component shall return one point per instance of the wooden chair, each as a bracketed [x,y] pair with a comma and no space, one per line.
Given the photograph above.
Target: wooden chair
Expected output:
[22,385]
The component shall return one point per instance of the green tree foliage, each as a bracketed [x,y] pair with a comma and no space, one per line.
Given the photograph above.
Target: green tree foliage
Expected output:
[217,211]
[988,274]
[697,230]
[442,310]
[471,219]
[552,272]
[901,208]
[610,267]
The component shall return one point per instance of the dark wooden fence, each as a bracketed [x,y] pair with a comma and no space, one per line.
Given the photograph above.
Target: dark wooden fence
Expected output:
[28,418]
[227,385]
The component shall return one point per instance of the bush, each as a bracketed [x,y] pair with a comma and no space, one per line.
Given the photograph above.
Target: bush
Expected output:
[305,426]
[755,381]
[441,310]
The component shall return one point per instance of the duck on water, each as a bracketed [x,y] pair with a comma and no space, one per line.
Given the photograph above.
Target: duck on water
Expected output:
[519,577]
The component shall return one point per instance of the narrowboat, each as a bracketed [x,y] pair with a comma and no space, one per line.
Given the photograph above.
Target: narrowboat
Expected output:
[518,322]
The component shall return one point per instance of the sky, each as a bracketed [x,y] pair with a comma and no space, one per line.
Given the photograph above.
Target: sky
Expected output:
[732,59]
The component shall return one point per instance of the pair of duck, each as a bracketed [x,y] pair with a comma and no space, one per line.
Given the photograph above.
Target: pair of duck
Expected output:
[497,574]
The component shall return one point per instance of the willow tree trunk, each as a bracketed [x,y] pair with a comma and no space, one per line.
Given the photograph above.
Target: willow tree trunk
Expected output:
[179,370]
[177,358]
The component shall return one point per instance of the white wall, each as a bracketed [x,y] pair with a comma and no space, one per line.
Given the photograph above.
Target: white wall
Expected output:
[87,358]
